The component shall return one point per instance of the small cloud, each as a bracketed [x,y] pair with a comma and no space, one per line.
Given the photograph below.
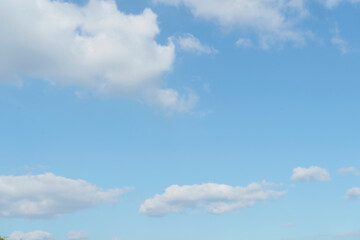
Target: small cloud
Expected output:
[313,173]
[171,100]
[332,3]
[73,235]
[339,235]
[244,42]
[272,21]
[349,170]
[80,94]
[187,42]
[204,113]
[36,235]
[34,167]
[323,235]
[339,42]
[348,234]
[288,225]
[206,87]
[353,193]
[335,3]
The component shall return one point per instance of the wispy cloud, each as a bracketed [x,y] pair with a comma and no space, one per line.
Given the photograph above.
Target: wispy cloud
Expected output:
[349,170]
[244,42]
[334,3]
[348,234]
[273,21]
[338,41]
[288,225]
[188,42]
[344,235]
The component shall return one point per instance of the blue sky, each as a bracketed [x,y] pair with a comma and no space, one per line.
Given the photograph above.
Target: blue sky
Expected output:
[179,119]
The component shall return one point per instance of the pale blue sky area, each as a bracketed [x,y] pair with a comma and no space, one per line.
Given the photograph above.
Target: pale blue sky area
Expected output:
[223,94]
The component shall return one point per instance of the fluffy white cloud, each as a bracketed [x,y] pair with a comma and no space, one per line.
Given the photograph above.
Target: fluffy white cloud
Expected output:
[214,198]
[353,193]
[334,3]
[349,170]
[272,20]
[187,42]
[73,235]
[95,46]
[47,195]
[310,174]
[36,235]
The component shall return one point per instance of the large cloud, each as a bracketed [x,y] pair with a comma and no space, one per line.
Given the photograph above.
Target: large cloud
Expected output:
[36,235]
[96,47]
[313,173]
[47,195]
[214,198]
[272,20]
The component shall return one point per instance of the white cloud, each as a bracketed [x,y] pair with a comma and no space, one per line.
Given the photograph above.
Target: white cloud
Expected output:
[272,20]
[170,99]
[349,170]
[353,193]
[73,235]
[95,47]
[244,42]
[334,3]
[310,174]
[214,198]
[36,235]
[187,42]
[47,195]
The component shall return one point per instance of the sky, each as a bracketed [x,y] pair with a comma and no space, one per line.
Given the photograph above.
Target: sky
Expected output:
[179,119]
